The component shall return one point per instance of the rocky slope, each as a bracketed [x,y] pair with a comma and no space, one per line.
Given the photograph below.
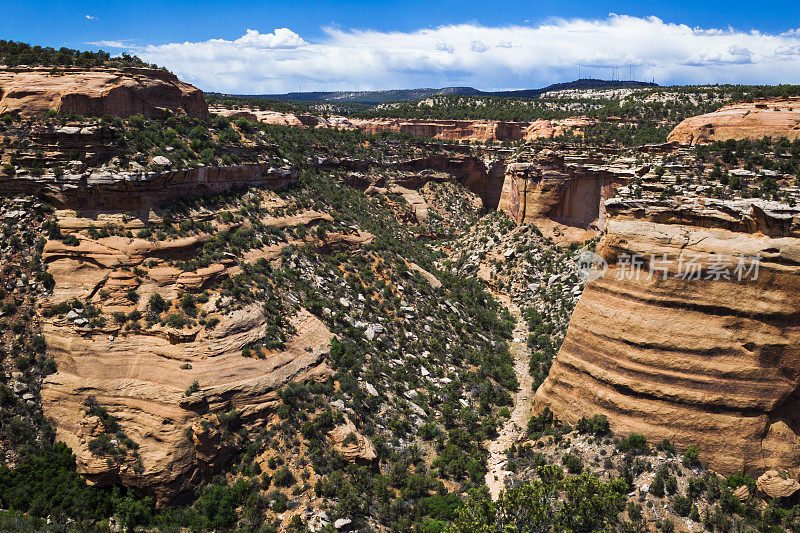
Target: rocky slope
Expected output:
[750,120]
[95,92]
[711,361]
[170,382]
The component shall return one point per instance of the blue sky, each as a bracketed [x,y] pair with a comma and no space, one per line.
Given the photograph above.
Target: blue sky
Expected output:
[379,45]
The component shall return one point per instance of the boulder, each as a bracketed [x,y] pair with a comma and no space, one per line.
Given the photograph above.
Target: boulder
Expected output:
[742,493]
[358,449]
[774,485]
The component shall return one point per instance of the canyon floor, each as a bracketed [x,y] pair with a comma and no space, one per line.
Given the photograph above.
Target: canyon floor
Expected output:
[515,425]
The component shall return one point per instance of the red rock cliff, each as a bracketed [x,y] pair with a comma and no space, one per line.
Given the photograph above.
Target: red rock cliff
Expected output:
[711,362]
[95,92]
[773,118]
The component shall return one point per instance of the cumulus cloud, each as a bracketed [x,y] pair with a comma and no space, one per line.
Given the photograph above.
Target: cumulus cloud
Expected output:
[506,57]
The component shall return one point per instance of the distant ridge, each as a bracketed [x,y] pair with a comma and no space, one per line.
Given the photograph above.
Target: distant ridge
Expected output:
[379,97]
[584,83]
[369,97]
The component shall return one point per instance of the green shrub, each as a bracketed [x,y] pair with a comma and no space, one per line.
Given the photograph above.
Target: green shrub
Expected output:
[71,240]
[682,505]
[691,457]
[573,463]
[283,477]
[194,387]
[158,304]
[597,426]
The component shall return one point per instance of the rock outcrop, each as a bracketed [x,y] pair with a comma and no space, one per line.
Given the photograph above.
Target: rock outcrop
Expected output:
[178,393]
[101,91]
[351,444]
[712,361]
[774,485]
[143,381]
[450,130]
[565,200]
[105,190]
[750,120]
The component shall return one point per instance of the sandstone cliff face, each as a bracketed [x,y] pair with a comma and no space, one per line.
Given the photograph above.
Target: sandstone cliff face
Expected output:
[96,92]
[474,130]
[773,118]
[145,379]
[131,191]
[564,200]
[712,362]
[450,130]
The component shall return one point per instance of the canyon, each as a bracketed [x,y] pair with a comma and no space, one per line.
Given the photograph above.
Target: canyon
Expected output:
[447,130]
[254,305]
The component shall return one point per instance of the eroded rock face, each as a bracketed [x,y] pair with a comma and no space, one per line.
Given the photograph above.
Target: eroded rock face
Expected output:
[450,130]
[753,120]
[138,378]
[178,393]
[774,485]
[711,362]
[564,200]
[132,191]
[351,444]
[120,92]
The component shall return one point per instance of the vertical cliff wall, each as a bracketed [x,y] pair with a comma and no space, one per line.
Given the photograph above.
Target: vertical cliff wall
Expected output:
[565,201]
[708,361]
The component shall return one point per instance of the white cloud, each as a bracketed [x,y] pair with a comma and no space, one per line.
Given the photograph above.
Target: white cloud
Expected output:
[466,54]
[111,44]
[444,47]
[90,17]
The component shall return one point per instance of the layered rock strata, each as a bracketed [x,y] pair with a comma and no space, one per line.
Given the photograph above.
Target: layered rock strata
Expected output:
[449,130]
[101,91]
[749,120]
[712,361]
[143,190]
[179,393]
[564,199]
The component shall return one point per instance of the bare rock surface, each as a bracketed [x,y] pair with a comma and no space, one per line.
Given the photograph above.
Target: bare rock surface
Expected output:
[774,485]
[450,130]
[748,120]
[712,361]
[139,379]
[101,91]
[351,444]
[562,198]
[169,387]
